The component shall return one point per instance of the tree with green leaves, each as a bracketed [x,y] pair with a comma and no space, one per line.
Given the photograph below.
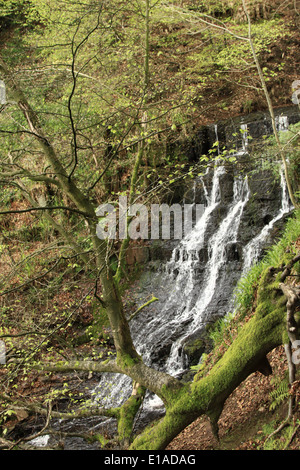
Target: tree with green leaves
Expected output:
[68,119]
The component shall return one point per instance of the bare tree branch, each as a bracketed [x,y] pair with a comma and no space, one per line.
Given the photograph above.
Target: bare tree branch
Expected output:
[45,208]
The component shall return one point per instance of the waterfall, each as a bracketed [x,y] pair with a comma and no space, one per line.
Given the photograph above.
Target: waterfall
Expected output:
[184,310]
[179,276]
[226,233]
[253,249]
[2,92]
[217,138]
[186,255]
[282,123]
[193,278]
[244,130]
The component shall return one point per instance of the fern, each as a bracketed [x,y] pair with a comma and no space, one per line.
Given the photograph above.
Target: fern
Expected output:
[279,394]
[220,328]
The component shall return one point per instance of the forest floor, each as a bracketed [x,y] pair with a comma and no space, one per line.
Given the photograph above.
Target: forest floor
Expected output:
[246,421]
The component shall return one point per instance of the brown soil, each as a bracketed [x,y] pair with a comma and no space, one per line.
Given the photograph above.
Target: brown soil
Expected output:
[242,425]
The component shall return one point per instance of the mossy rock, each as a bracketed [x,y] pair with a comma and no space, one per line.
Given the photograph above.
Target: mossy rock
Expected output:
[194,350]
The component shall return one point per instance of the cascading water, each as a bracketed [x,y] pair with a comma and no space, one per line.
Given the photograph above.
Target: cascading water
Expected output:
[226,233]
[147,337]
[253,249]
[183,311]
[282,123]
[193,276]
[184,257]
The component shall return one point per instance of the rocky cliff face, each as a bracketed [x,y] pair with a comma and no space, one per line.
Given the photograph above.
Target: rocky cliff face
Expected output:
[197,276]
[206,273]
[265,194]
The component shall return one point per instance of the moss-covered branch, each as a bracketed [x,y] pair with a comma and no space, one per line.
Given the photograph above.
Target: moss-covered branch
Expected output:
[79,366]
[76,414]
[128,413]
[207,395]
[153,299]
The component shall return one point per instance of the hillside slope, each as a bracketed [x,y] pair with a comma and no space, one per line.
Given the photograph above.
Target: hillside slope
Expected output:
[195,75]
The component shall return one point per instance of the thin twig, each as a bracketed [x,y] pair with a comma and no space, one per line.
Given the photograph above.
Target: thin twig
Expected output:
[34,436]
[44,208]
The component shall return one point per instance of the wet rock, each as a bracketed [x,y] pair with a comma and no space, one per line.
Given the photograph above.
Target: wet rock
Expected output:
[193,349]
[234,251]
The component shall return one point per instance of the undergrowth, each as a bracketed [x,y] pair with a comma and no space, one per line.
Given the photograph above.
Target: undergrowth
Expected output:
[280,391]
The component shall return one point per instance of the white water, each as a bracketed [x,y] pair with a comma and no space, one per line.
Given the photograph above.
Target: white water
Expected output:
[181,308]
[282,123]
[187,254]
[146,337]
[244,130]
[253,249]
[226,233]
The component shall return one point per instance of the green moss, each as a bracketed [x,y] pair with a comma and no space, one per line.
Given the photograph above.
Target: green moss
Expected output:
[157,436]
[125,361]
[99,438]
[262,332]
[278,254]
[128,413]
